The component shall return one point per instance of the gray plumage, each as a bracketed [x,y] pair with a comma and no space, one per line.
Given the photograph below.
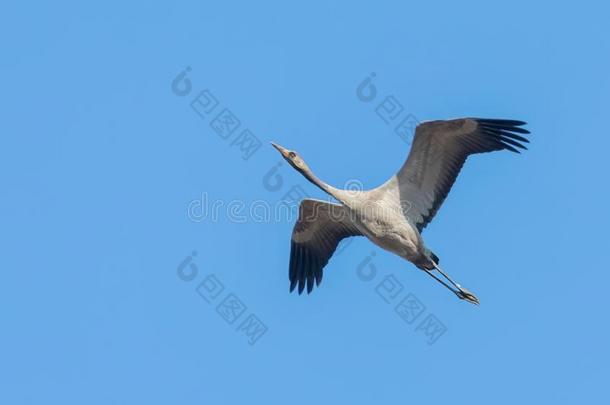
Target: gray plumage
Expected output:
[394,214]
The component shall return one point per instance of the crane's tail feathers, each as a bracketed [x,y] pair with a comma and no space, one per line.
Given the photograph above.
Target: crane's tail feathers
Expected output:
[432,258]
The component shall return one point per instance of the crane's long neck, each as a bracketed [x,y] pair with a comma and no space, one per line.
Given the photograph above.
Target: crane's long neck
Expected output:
[335,192]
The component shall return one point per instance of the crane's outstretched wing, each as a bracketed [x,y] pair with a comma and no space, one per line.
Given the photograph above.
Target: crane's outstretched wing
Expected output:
[316,234]
[439,151]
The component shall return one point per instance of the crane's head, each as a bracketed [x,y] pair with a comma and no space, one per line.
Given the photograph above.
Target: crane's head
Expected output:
[292,157]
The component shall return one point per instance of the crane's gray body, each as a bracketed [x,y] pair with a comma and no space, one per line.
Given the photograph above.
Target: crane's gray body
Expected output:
[382,218]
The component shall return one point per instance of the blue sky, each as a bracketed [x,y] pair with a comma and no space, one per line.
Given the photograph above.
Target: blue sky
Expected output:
[102,157]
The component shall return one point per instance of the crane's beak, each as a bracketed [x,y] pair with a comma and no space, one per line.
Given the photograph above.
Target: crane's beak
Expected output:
[281,149]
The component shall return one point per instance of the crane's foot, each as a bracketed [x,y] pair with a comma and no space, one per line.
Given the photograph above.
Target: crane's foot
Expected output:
[462,293]
[466,295]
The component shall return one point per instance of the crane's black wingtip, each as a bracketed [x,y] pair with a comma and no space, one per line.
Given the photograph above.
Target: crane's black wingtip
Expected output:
[502,122]
[504,132]
[319,277]
[304,286]
[301,289]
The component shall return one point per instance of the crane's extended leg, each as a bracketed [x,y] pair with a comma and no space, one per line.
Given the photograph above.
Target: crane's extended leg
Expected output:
[429,272]
[461,292]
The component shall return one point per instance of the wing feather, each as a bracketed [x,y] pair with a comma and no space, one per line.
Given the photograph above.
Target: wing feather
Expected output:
[439,151]
[319,229]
